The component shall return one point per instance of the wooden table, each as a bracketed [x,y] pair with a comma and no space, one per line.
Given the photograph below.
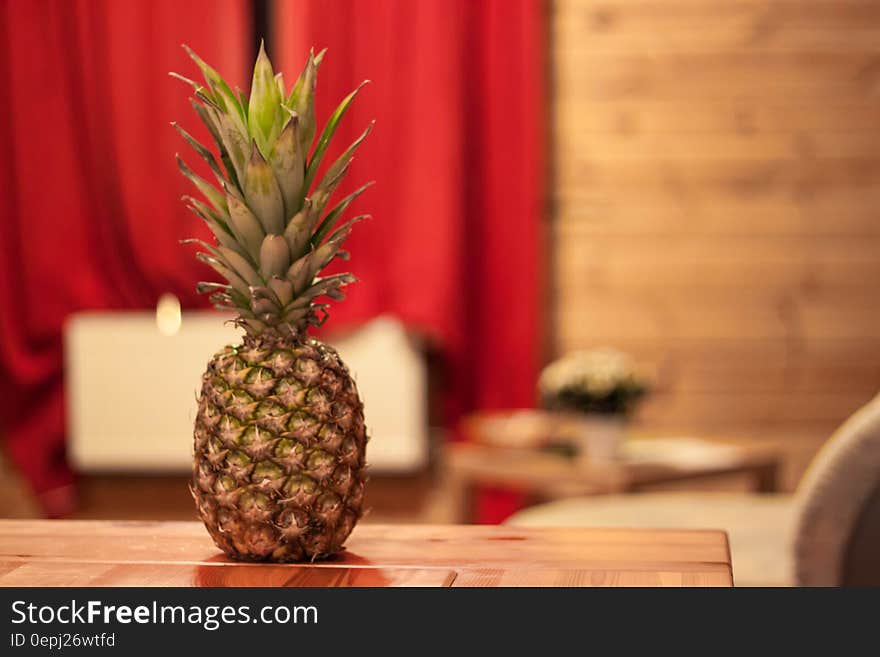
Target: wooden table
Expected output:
[545,476]
[111,553]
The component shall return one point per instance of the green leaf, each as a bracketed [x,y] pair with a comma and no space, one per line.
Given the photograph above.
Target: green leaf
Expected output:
[218,226]
[206,155]
[198,86]
[329,286]
[245,227]
[263,194]
[334,214]
[288,163]
[296,90]
[336,173]
[298,274]
[222,94]
[265,101]
[323,254]
[298,231]
[234,279]
[282,289]
[274,256]
[328,132]
[209,118]
[237,143]
[302,100]
[241,266]
[214,196]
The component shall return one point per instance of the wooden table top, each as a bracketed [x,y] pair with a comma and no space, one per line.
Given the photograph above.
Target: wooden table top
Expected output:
[558,476]
[120,553]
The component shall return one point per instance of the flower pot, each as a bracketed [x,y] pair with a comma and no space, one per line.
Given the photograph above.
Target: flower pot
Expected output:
[599,437]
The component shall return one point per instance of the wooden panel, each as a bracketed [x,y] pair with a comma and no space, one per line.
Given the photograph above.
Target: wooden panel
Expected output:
[101,553]
[715,75]
[717,174]
[686,25]
[745,116]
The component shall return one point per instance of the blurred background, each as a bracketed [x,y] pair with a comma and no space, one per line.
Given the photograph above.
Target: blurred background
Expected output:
[672,201]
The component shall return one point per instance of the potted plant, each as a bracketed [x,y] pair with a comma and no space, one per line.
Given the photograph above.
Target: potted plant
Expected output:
[597,391]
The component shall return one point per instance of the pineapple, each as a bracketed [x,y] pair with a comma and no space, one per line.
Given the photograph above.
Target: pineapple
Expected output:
[279,439]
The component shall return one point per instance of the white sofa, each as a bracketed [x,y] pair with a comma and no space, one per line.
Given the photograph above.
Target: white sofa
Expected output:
[825,534]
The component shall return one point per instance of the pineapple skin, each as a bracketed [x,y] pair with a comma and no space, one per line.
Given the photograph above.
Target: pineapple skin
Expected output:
[279,450]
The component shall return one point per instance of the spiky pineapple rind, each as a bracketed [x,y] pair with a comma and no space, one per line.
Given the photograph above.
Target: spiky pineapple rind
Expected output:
[279,450]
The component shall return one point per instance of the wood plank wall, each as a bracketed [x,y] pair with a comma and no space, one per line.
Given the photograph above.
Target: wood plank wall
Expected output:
[717,204]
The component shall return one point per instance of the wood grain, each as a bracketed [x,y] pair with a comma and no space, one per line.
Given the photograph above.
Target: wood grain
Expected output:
[106,553]
[589,578]
[49,573]
[716,178]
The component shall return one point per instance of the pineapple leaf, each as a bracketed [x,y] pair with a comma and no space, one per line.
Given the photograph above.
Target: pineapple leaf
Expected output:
[298,274]
[271,240]
[241,266]
[234,279]
[323,192]
[230,259]
[274,257]
[207,98]
[218,227]
[329,286]
[322,256]
[342,233]
[288,163]
[214,128]
[263,194]
[208,213]
[237,143]
[204,286]
[296,315]
[222,301]
[298,232]
[332,216]
[244,226]
[336,173]
[198,86]
[327,134]
[302,101]
[345,159]
[205,154]
[313,61]
[282,289]
[208,190]
[222,94]
[265,102]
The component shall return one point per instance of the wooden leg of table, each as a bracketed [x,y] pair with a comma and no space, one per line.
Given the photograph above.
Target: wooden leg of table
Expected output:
[468,503]
[766,478]
[452,501]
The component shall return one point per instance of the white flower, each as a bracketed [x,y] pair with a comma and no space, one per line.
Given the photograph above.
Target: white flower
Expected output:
[596,373]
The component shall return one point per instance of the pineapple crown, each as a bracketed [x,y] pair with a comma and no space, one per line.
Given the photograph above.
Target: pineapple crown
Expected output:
[273,236]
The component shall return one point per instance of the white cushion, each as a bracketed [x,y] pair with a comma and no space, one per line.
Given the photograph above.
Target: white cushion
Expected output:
[759,526]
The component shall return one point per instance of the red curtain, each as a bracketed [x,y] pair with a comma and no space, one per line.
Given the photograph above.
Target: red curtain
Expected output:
[457,94]
[91,215]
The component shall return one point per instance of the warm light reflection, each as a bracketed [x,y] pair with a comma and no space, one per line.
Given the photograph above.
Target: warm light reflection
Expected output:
[168,314]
